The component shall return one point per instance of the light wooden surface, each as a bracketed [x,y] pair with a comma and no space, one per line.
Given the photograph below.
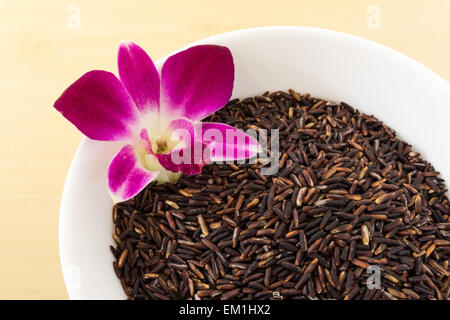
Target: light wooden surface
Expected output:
[42,51]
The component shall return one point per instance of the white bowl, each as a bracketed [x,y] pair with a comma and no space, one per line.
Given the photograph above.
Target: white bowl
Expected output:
[377,80]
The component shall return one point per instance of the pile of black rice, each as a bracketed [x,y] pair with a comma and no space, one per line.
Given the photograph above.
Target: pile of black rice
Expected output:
[352,213]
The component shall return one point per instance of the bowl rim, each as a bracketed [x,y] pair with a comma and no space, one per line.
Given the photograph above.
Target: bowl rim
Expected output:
[305,28]
[356,39]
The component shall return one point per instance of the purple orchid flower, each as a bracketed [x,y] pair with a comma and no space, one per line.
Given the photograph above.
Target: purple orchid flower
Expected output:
[158,116]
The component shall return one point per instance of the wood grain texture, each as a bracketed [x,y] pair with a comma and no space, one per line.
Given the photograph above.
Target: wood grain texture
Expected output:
[41,56]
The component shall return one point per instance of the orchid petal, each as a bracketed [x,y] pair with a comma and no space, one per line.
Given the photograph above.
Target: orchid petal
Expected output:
[180,123]
[126,177]
[227,143]
[196,82]
[189,167]
[99,106]
[145,140]
[182,130]
[183,158]
[139,75]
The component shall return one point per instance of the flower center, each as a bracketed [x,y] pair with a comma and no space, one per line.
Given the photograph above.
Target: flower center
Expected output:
[161,145]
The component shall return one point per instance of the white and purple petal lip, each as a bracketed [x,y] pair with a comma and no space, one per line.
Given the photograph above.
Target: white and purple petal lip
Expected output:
[196,82]
[99,106]
[183,158]
[227,143]
[172,162]
[145,141]
[126,177]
